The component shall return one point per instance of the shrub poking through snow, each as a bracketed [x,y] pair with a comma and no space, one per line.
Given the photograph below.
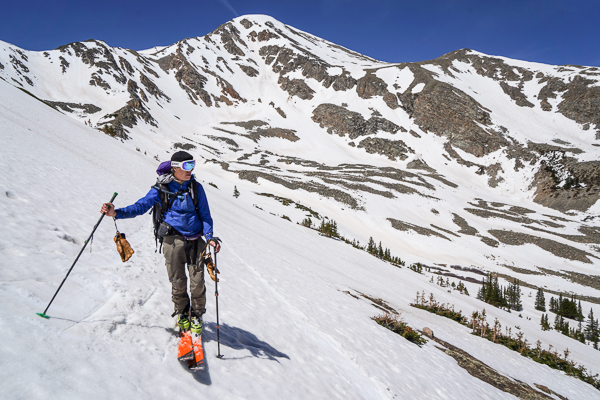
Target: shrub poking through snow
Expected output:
[395,324]
[480,327]
[430,304]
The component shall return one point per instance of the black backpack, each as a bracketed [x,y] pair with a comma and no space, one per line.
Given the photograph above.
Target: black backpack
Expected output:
[161,228]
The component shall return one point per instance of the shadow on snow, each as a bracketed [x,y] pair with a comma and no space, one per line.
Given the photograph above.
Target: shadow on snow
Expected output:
[239,339]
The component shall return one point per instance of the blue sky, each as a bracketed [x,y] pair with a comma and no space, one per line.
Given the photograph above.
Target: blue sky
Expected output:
[548,31]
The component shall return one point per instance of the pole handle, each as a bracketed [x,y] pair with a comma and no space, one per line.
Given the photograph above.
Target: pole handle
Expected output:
[115,194]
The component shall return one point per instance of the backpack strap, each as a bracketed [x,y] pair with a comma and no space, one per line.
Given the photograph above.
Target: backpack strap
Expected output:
[167,198]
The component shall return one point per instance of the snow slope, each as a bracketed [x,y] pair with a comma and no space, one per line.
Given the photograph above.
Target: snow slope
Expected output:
[288,330]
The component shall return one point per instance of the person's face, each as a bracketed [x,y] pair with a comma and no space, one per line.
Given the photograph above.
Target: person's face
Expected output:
[182,175]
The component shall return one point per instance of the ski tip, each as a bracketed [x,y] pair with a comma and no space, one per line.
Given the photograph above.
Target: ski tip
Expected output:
[43,315]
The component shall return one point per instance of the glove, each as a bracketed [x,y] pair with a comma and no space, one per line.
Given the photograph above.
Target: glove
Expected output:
[123,247]
[210,266]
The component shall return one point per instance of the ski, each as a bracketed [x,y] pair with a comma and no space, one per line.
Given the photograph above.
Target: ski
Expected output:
[185,349]
[197,362]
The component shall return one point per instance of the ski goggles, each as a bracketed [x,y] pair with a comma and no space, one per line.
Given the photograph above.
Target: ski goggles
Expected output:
[184,165]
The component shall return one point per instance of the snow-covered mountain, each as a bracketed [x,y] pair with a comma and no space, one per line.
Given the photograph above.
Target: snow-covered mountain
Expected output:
[466,164]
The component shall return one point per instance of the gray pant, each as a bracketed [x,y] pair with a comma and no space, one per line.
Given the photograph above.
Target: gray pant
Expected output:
[175,259]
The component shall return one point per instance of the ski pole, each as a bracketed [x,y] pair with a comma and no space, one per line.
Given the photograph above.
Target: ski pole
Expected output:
[43,315]
[217,299]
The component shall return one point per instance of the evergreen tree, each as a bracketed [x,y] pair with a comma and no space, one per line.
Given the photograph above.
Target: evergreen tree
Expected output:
[558,323]
[307,222]
[579,334]
[236,193]
[513,294]
[545,324]
[591,329]
[492,293]
[568,308]
[553,304]
[371,247]
[540,300]
[322,227]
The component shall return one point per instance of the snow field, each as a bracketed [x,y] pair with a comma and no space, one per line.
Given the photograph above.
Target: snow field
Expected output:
[287,327]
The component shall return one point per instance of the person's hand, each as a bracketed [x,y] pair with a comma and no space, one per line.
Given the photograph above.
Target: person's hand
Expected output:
[108,209]
[215,244]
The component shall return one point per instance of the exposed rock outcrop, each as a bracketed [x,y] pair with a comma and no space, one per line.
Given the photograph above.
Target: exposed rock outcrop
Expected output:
[341,121]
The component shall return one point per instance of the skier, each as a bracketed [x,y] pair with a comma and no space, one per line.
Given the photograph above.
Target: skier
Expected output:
[186,219]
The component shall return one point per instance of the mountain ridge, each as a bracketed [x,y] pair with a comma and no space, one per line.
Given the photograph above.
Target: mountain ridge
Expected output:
[269,104]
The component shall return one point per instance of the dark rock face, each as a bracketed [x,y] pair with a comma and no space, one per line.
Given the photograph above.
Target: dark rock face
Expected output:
[251,72]
[71,107]
[516,94]
[152,88]
[188,77]
[246,24]
[392,149]
[263,36]
[370,85]
[284,60]
[441,110]
[581,102]
[98,81]
[579,191]
[18,65]
[64,64]
[448,112]
[128,115]
[98,56]
[193,83]
[343,82]
[230,36]
[296,87]
[258,129]
[419,164]
[343,122]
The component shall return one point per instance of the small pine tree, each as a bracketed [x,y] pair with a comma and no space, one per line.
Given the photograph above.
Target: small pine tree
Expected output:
[553,304]
[514,295]
[322,227]
[591,329]
[540,300]
[236,193]
[545,324]
[307,222]
[568,308]
[558,323]
[371,247]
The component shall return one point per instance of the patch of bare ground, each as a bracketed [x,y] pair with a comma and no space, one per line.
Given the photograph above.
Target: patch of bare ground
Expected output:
[556,248]
[405,226]
[485,373]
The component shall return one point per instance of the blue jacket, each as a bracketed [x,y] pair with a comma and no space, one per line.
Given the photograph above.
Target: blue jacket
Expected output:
[182,215]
